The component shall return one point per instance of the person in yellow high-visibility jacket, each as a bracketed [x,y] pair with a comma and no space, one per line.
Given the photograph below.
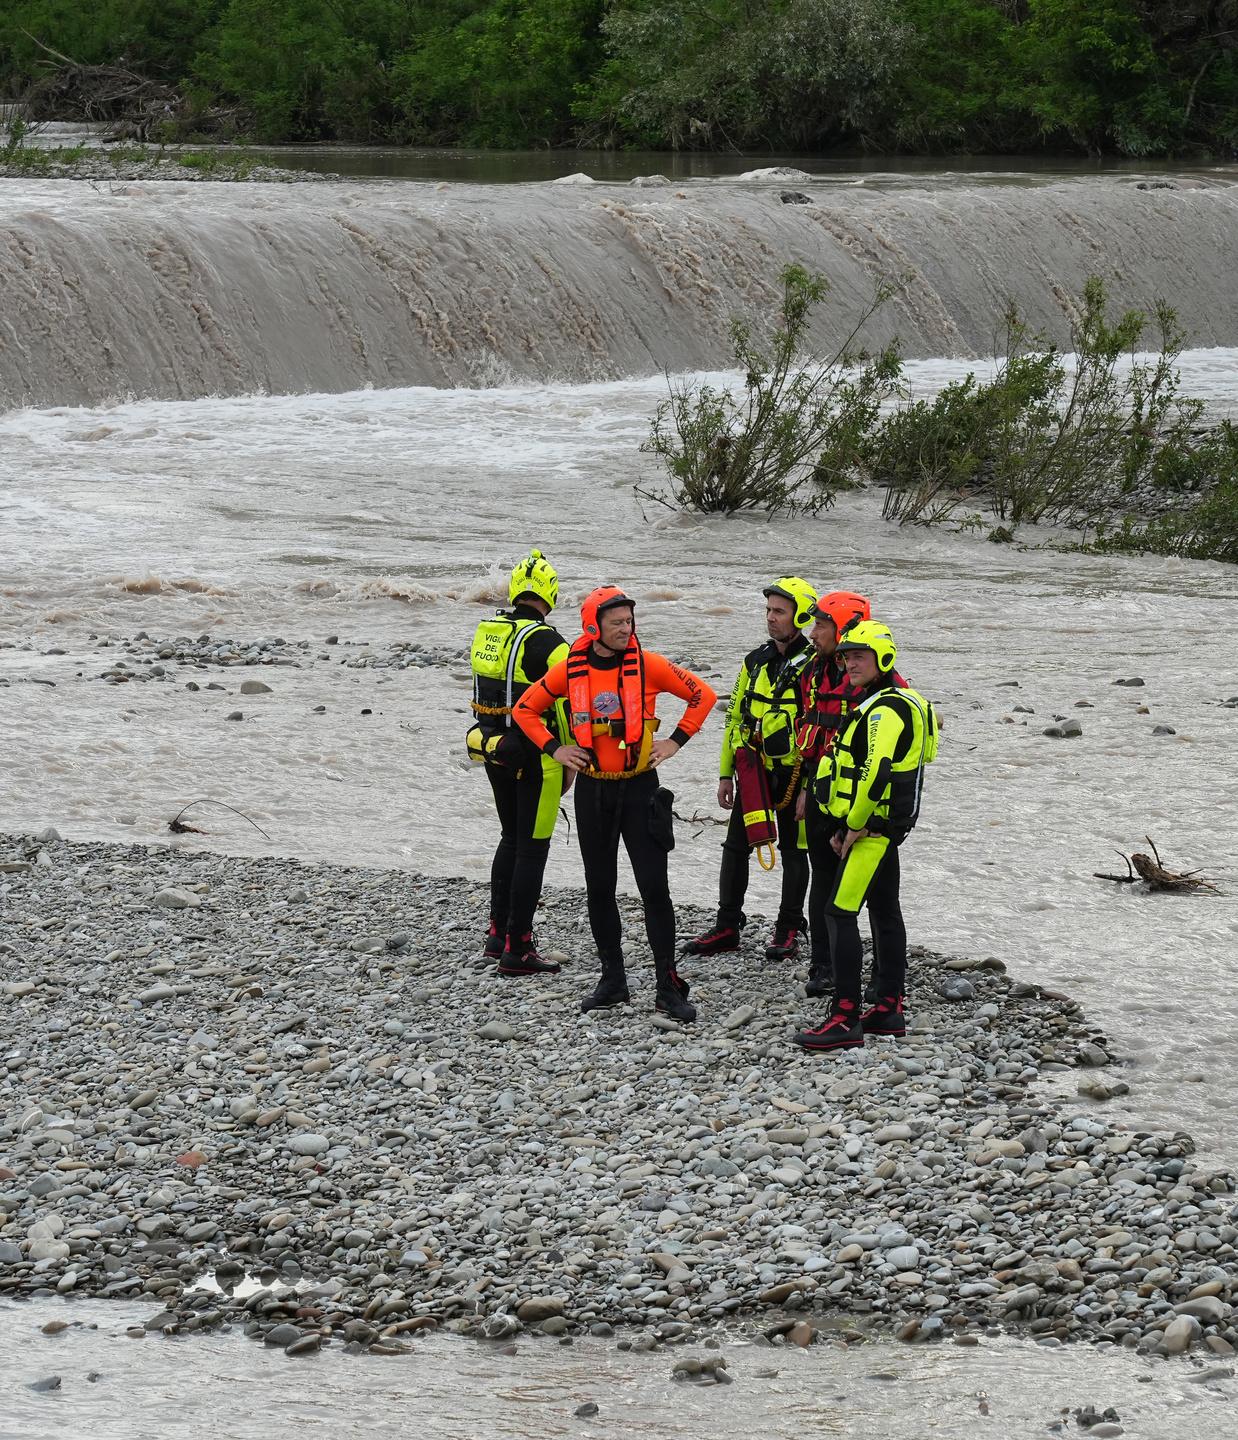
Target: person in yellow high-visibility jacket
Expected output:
[870,793]
[762,717]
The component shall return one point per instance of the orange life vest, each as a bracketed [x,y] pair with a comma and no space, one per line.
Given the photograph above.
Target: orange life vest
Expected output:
[631,696]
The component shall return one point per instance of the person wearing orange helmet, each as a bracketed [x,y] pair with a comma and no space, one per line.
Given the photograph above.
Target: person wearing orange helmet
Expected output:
[827,699]
[611,685]
[824,693]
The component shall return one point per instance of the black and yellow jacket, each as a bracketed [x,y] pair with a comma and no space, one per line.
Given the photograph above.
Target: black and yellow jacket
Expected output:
[765,705]
[511,651]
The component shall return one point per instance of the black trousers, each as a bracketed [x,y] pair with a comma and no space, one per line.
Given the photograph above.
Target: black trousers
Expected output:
[519,864]
[885,918]
[736,863]
[608,811]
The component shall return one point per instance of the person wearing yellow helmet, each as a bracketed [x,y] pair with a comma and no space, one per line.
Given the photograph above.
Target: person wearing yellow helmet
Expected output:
[762,717]
[869,787]
[510,652]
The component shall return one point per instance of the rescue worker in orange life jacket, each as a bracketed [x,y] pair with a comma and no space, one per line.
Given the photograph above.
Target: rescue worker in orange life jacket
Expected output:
[612,685]
[509,653]
[762,716]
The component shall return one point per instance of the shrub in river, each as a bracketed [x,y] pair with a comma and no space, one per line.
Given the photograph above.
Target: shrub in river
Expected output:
[789,440]
[1204,527]
[1045,439]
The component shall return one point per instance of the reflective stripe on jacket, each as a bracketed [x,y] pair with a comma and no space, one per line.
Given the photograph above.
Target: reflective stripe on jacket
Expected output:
[503,669]
[876,768]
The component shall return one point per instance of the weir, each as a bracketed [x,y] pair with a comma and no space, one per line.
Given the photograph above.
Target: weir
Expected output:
[177,291]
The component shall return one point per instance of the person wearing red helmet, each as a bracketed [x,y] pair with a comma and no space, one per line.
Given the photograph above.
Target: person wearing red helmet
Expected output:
[611,685]
[827,697]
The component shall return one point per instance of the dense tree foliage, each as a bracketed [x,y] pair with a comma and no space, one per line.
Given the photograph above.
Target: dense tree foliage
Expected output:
[1131,77]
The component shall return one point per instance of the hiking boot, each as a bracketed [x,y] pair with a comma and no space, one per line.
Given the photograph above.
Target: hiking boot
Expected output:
[611,989]
[492,946]
[671,997]
[520,957]
[717,941]
[841,1031]
[886,1018]
[820,978]
[785,944]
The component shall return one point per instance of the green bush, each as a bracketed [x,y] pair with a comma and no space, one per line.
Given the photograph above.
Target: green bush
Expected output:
[1046,439]
[792,439]
[1205,528]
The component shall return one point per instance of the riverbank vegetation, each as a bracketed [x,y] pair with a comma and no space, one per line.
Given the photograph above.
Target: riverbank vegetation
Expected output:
[1122,77]
[1100,438]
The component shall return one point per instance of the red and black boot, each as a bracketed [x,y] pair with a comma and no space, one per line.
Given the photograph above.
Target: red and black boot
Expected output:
[842,1029]
[492,945]
[718,941]
[520,957]
[887,1017]
[671,997]
[785,944]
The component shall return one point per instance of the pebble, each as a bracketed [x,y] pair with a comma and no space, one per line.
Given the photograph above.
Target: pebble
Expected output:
[310,1042]
[309,1144]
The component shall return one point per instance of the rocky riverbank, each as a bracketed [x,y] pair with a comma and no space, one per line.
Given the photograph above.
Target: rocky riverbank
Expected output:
[99,166]
[287,1097]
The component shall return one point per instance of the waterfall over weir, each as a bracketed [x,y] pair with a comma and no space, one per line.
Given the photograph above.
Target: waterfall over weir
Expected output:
[172,290]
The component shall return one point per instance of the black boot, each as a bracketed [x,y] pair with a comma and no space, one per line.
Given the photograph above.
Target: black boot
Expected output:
[672,993]
[887,1017]
[520,957]
[842,1029]
[492,946]
[820,977]
[611,989]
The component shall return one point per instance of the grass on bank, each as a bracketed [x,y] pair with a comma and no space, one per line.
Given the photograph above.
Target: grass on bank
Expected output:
[17,155]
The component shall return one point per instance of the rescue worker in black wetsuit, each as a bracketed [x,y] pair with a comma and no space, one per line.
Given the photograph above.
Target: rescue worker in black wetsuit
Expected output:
[871,798]
[611,685]
[763,714]
[511,651]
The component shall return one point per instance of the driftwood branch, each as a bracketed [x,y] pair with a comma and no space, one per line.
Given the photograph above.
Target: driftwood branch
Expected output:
[697,818]
[178,827]
[1153,873]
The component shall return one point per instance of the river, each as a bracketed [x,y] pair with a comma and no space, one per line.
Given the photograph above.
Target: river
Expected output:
[146,484]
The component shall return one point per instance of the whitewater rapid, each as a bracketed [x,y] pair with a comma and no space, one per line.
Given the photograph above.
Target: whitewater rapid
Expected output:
[390,516]
[166,290]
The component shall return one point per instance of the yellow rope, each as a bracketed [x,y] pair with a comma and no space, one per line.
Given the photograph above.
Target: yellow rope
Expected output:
[773,855]
[791,784]
[479,709]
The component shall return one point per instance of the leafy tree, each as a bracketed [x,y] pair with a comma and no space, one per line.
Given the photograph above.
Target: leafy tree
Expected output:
[504,73]
[735,73]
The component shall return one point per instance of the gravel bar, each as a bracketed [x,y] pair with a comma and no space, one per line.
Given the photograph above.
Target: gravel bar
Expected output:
[289,1098]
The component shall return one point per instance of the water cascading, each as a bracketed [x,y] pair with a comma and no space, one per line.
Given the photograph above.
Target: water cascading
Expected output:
[169,290]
